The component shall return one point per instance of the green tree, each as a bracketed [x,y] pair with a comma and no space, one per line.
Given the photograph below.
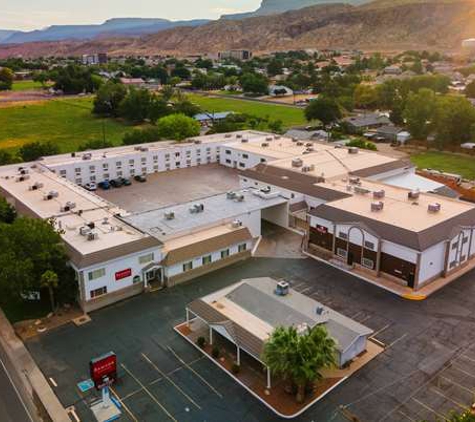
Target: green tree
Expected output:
[177,127]
[298,357]
[7,212]
[324,109]
[6,79]
[366,96]
[253,83]
[7,158]
[135,106]
[49,280]
[470,90]
[186,107]
[141,136]
[158,108]
[419,113]
[35,150]
[95,144]
[108,98]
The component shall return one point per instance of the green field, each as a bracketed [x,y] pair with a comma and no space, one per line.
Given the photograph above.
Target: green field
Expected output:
[444,161]
[65,122]
[290,116]
[25,85]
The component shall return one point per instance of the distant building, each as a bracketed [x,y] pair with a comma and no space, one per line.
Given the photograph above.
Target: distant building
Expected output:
[209,118]
[392,70]
[235,54]
[94,59]
[280,91]
[137,82]
[359,124]
[393,133]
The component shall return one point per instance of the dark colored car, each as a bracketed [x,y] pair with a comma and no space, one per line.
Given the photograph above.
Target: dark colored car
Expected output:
[116,183]
[140,178]
[125,181]
[104,185]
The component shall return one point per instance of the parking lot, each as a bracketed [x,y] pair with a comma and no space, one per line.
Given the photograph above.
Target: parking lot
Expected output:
[427,369]
[173,187]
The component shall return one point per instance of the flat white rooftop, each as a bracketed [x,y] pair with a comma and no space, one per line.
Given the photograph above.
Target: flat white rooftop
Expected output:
[217,210]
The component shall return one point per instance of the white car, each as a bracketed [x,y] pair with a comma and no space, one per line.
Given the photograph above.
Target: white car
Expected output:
[90,186]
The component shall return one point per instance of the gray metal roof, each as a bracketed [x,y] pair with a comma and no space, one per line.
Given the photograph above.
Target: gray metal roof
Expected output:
[367,120]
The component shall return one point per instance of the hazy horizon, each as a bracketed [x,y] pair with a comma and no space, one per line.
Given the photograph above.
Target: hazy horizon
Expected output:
[26,15]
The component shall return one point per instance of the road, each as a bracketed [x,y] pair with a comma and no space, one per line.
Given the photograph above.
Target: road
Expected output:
[12,408]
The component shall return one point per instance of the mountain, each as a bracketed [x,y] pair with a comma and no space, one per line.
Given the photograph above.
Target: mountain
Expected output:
[272,7]
[5,33]
[380,25]
[110,28]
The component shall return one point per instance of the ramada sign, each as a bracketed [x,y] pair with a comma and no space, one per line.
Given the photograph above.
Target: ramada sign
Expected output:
[103,370]
[119,275]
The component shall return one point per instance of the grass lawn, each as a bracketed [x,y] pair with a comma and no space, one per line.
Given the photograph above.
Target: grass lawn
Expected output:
[25,85]
[447,162]
[66,122]
[290,116]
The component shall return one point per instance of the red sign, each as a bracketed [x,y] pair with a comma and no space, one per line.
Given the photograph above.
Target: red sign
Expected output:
[322,229]
[119,275]
[103,370]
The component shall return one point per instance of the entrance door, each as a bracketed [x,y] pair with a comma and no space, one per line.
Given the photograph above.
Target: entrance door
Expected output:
[154,276]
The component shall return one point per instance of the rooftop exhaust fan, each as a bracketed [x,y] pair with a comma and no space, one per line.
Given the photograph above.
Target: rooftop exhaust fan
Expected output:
[434,208]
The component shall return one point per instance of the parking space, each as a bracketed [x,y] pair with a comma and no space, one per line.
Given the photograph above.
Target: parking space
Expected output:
[173,187]
[427,369]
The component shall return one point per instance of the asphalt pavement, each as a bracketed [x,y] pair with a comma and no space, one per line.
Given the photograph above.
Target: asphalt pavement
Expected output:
[12,408]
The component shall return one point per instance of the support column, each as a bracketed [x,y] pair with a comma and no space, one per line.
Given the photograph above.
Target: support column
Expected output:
[269,386]
[378,257]
[418,270]
[446,259]
[211,335]
[187,318]
[334,240]
[238,360]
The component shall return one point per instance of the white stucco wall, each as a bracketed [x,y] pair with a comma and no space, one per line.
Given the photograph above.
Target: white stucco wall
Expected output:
[432,262]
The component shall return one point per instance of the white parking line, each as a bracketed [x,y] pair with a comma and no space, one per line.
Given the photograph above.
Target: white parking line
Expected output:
[450,399]
[406,416]
[457,384]
[381,330]
[123,405]
[430,409]
[396,341]
[164,409]
[455,366]
[171,381]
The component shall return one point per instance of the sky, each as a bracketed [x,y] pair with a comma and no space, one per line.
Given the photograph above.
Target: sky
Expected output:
[36,14]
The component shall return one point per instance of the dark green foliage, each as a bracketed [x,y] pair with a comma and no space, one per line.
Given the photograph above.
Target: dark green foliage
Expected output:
[108,98]
[141,136]
[35,150]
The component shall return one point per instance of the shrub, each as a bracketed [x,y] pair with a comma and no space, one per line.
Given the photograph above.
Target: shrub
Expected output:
[235,368]
[215,352]
[201,341]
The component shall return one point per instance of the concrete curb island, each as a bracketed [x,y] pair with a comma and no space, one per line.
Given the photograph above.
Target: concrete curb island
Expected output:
[36,394]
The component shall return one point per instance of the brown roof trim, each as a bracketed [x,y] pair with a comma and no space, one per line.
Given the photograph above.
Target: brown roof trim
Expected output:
[243,338]
[382,168]
[83,261]
[298,206]
[293,181]
[419,241]
[206,246]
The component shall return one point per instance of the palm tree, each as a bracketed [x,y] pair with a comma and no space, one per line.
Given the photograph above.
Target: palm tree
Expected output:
[50,281]
[300,357]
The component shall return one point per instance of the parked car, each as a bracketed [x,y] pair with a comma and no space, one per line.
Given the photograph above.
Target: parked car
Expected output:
[125,181]
[104,185]
[90,186]
[116,183]
[140,178]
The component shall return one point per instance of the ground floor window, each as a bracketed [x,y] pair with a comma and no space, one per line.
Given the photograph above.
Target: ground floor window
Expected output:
[98,292]
[187,266]
[225,253]
[368,263]
[206,260]
[242,247]
[342,253]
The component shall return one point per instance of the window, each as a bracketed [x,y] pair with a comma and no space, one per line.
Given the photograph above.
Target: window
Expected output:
[342,253]
[118,164]
[188,266]
[144,160]
[77,170]
[198,152]
[369,245]
[342,235]
[167,157]
[106,176]
[131,163]
[92,169]
[105,166]
[242,165]
[98,292]
[177,164]
[242,247]
[206,260]
[93,275]
[177,154]
[228,152]
[198,160]
[208,149]
[368,263]
[263,160]
[79,181]
[155,167]
[132,172]
[155,158]
[62,173]
[144,170]
[188,153]
[93,178]
[119,174]
[245,156]
[225,253]
[228,161]
[465,240]
[455,245]
[146,258]
[453,264]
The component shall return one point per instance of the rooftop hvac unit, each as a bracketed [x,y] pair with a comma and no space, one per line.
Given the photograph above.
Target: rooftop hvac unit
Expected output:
[354,180]
[91,225]
[197,141]
[84,230]
[310,149]
[277,137]
[295,140]
[239,198]
[87,156]
[170,215]
[309,144]
[299,144]
[413,194]
[338,146]
[228,135]
[434,207]
[265,144]
[379,194]
[36,186]
[269,138]
[320,310]
[307,169]
[236,224]
[197,208]
[136,148]
[105,220]
[238,136]
[244,140]
[297,162]
[144,149]
[22,178]
[282,288]
[50,195]
[23,171]
[68,206]
[92,236]
[361,191]
[353,150]
[230,195]
[266,189]
[377,206]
